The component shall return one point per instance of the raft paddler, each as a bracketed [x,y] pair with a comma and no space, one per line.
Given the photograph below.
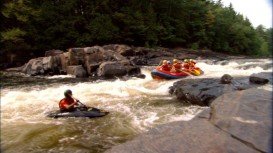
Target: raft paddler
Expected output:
[166,66]
[189,64]
[177,66]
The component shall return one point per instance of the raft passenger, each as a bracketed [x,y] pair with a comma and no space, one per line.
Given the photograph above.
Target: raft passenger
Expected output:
[176,67]
[166,66]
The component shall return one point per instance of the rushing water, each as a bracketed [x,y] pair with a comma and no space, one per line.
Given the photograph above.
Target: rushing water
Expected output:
[135,106]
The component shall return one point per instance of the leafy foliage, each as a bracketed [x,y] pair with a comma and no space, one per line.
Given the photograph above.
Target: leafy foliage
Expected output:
[33,26]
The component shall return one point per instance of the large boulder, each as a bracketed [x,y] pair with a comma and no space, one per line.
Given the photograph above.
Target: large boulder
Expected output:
[77,70]
[138,60]
[64,58]
[114,56]
[197,136]
[237,122]
[43,65]
[142,51]
[203,91]
[226,79]
[260,78]
[94,56]
[246,115]
[52,63]
[76,56]
[111,69]
[124,50]
[34,67]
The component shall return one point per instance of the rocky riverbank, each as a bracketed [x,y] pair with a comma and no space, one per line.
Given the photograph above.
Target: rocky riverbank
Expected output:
[238,119]
[108,61]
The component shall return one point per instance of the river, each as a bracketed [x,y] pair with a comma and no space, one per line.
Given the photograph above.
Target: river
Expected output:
[135,105]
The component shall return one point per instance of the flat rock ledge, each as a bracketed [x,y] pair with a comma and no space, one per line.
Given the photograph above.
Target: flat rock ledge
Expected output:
[238,121]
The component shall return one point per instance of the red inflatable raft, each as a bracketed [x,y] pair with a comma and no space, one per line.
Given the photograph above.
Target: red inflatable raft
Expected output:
[158,73]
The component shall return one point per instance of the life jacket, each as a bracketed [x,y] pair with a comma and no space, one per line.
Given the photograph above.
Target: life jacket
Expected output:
[177,66]
[189,65]
[165,67]
[64,102]
[186,65]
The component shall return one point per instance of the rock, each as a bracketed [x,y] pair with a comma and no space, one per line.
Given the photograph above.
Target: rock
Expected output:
[76,70]
[197,136]
[199,92]
[256,79]
[236,122]
[203,91]
[226,79]
[76,56]
[34,67]
[64,59]
[43,65]
[246,115]
[138,60]
[123,50]
[94,56]
[113,56]
[52,64]
[133,70]
[53,52]
[92,68]
[141,51]
[111,69]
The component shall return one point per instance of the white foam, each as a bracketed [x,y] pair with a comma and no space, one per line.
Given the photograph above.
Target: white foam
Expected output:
[125,97]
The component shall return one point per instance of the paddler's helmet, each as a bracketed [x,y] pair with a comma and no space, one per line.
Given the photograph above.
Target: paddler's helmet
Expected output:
[164,62]
[67,93]
[175,60]
[192,61]
[186,60]
[168,62]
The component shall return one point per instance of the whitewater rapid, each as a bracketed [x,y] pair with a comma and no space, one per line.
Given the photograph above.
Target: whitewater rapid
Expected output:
[135,105]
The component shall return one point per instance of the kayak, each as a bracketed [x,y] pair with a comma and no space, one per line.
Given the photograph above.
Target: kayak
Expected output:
[158,73]
[90,112]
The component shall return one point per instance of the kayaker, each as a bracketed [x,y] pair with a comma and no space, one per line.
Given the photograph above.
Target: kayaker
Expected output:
[165,66]
[68,104]
[176,67]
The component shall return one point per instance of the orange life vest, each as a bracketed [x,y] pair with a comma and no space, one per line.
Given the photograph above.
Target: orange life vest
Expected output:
[166,67]
[64,102]
[177,66]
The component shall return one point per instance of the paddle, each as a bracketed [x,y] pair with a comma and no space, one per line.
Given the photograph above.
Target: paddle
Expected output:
[93,108]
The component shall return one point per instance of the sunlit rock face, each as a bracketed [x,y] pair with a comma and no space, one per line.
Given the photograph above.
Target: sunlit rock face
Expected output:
[83,62]
[236,122]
